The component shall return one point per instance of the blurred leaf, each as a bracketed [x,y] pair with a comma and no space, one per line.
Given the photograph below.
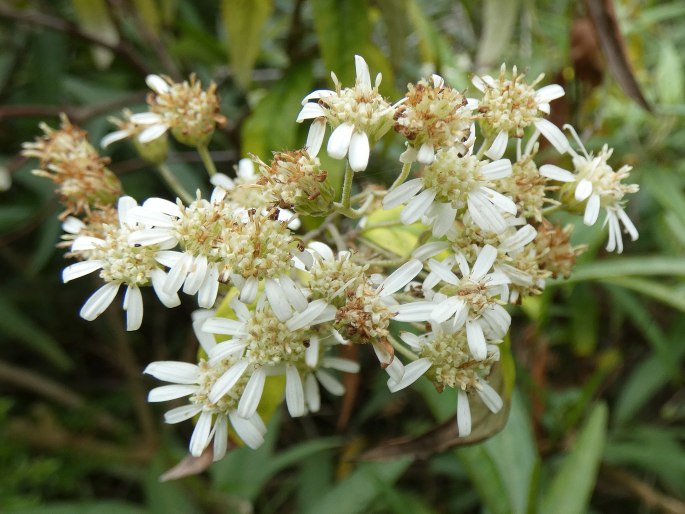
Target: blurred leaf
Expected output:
[343,30]
[165,497]
[14,324]
[355,493]
[94,19]
[48,237]
[243,21]
[499,18]
[149,13]
[102,507]
[271,127]
[626,266]
[665,294]
[669,74]
[398,29]
[666,189]
[584,313]
[432,44]
[571,487]
[397,238]
[13,216]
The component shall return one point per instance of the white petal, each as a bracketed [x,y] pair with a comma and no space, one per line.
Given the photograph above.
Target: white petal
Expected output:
[226,381]
[168,258]
[309,111]
[317,94]
[556,173]
[170,392]
[293,293]
[80,269]
[363,82]
[443,272]
[277,300]
[73,225]
[178,274]
[181,413]
[149,236]
[591,210]
[145,118]
[294,391]
[322,249]
[306,317]
[249,291]
[224,326]
[252,394]
[499,200]
[341,364]
[519,239]
[315,136]
[246,430]
[497,169]
[484,214]
[152,132]
[628,224]
[411,339]
[164,206]
[209,289]
[196,277]
[133,305]
[113,137]
[583,189]
[157,84]
[225,349]
[431,249]
[400,277]
[426,154]
[476,340]
[402,193]
[412,372]
[463,414]
[85,243]
[490,397]
[498,146]
[311,354]
[444,218]
[553,134]
[446,309]
[339,142]
[200,438]
[395,369]
[359,151]
[220,437]
[417,206]
[548,93]
[159,278]
[330,383]
[173,371]
[486,258]
[223,181]
[416,311]
[312,394]
[99,301]
[498,319]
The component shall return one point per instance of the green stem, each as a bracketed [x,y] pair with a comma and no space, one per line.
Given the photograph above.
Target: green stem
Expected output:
[402,349]
[406,169]
[207,160]
[347,187]
[551,209]
[354,213]
[483,147]
[173,183]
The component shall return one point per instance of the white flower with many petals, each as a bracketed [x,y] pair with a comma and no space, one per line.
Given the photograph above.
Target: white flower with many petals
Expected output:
[445,357]
[359,117]
[469,299]
[119,264]
[509,106]
[450,186]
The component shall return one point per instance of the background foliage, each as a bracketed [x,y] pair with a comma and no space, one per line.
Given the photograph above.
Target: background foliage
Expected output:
[596,423]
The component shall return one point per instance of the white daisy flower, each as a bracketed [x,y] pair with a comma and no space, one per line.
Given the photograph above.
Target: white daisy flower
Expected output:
[452,185]
[359,117]
[119,264]
[445,357]
[509,106]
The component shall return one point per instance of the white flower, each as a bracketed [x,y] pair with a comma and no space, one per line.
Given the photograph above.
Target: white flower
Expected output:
[359,116]
[468,300]
[445,352]
[451,185]
[509,106]
[119,264]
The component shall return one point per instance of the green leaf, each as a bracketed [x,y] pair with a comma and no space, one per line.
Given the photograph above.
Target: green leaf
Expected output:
[669,74]
[356,492]
[148,12]
[94,19]
[499,18]
[272,127]
[14,324]
[572,485]
[665,294]
[626,266]
[384,228]
[165,497]
[102,507]
[243,21]
[343,30]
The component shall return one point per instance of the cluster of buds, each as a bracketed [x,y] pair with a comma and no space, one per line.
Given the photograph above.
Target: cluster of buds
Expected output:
[277,304]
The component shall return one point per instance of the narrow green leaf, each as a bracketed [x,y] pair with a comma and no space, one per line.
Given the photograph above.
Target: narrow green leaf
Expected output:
[94,19]
[243,21]
[343,30]
[272,127]
[149,13]
[666,189]
[356,492]
[626,266]
[499,18]
[101,507]
[165,497]
[665,294]
[572,486]
[669,74]
[485,478]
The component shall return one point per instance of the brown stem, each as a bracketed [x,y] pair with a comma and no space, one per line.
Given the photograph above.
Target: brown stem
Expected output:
[644,491]
[122,48]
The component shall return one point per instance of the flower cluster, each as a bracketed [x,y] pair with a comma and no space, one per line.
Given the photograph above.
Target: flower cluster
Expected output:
[277,302]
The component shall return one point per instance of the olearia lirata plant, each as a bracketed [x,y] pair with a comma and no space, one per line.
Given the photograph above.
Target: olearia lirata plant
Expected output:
[276,303]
